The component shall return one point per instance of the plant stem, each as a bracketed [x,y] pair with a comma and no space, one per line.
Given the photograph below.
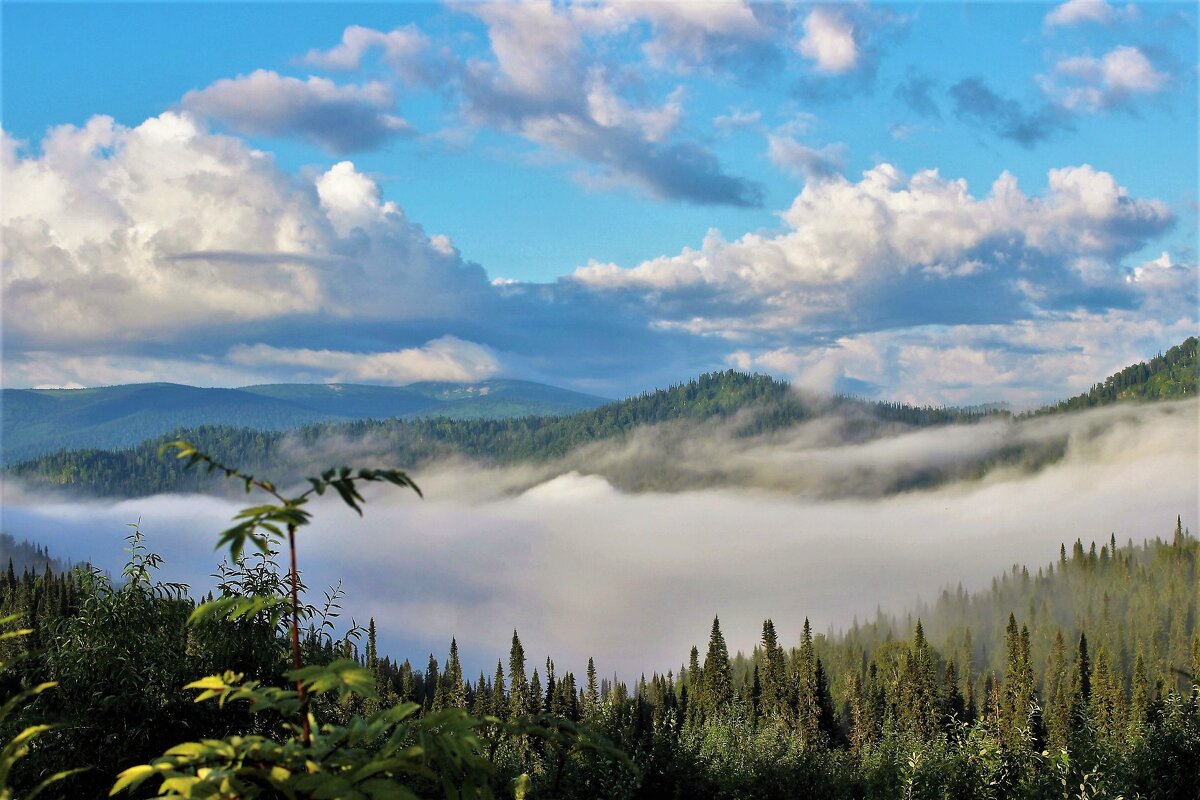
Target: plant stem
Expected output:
[296,661]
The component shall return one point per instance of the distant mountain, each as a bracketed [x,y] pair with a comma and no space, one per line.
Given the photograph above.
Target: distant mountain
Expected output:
[756,404]
[497,422]
[39,421]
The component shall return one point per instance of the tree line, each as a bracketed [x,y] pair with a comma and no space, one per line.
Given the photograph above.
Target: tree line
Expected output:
[759,403]
[1082,675]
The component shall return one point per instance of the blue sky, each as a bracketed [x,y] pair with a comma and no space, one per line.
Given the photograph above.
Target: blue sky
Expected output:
[942,203]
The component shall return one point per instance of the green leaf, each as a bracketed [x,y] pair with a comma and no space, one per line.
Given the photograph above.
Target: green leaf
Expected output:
[132,778]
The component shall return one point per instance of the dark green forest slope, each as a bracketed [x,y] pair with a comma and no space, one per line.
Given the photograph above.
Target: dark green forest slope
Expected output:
[1077,680]
[40,421]
[760,405]
[754,405]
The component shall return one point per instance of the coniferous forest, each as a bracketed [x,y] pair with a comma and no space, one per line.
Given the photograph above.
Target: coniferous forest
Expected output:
[1076,679]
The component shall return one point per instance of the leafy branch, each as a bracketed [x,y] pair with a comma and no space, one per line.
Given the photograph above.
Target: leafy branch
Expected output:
[287,514]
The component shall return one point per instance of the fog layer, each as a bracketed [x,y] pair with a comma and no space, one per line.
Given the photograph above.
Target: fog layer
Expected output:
[805,523]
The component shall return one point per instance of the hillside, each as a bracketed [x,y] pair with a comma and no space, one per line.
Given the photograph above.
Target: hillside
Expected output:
[40,421]
[755,405]
[1167,376]
[492,423]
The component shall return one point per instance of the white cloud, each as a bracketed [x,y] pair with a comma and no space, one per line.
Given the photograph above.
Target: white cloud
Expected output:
[341,119]
[810,162]
[547,83]
[445,359]
[115,234]
[588,554]
[829,41]
[717,33]
[1084,83]
[1075,12]
[1165,273]
[737,119]
[1026,362]
[846,239]
[403,50]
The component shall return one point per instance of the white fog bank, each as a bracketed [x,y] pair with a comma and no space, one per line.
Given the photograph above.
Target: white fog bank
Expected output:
[581,568]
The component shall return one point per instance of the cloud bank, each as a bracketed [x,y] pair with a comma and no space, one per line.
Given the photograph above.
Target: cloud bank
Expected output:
[583,569]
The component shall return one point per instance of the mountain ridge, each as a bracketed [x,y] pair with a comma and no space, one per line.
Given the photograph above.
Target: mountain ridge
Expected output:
[750,405]
[40,421]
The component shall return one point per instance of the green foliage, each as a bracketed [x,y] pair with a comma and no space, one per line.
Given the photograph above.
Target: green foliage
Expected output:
[1165,377]
[389,753]
[22,739]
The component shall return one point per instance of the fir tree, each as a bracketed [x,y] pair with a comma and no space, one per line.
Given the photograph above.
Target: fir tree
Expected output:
[718,675]
[519,701]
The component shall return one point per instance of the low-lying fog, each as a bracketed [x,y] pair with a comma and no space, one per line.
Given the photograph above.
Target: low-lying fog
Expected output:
[581,568]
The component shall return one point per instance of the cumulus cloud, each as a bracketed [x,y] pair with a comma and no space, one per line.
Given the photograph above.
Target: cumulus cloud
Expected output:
[342,119]
[731,34]
[1075,12]
[1087,84]
[159,247]
[1164,273]
[1025,362]
[115,234]
[406,50]
[545,85]
[975,101]
[445,359]
[890,250]
[829,41]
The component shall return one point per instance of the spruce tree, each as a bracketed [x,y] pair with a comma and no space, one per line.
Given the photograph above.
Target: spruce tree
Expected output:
[808,713]
[519,701]
[499,701]
[773,702]
[718,675]
[591,699]
[452,677]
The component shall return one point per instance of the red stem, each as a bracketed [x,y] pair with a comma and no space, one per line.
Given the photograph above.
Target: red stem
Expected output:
[297,663]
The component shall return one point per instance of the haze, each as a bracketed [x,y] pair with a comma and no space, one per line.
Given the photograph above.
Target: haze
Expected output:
[582,568]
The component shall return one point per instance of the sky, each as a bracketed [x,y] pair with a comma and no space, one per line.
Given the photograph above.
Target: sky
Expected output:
[936,203]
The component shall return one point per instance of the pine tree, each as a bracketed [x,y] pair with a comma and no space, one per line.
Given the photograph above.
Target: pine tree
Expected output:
[808,711]
[535,686]
[718,675]
[1057,694]
[519,701]
[1140,699]
[499,701]
[591,699]
[452,677]
[434,699]
[372,651]
[773,701]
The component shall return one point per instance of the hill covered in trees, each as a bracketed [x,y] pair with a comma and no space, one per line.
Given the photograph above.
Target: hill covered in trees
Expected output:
[40,421]
[1167,376]
[1081,674]
[731,410]
[751,405]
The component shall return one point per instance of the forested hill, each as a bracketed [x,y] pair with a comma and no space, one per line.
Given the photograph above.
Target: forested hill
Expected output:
[40,421]
[759,403]
[1081,675]
[1166,376]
